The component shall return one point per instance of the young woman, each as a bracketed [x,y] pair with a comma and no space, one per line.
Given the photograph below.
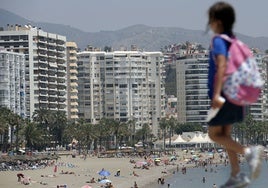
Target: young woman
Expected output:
[221,18]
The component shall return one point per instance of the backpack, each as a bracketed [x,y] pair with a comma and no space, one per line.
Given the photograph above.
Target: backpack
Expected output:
[242,80]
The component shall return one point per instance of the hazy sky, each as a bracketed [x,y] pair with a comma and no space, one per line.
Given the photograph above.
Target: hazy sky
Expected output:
[96,15]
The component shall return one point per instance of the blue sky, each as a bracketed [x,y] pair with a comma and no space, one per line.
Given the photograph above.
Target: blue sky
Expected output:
[97,15]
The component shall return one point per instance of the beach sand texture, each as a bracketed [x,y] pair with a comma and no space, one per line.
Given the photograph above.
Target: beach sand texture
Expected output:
[84,170]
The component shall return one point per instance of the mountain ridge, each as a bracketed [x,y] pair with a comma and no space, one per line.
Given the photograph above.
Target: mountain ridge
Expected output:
[144,37]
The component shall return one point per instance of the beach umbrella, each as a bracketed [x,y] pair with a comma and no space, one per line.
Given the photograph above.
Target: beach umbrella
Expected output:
[173,158]
[86,186]
[104,173]
[105,181]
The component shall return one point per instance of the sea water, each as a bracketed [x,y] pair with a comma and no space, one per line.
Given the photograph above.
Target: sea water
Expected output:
[218,175]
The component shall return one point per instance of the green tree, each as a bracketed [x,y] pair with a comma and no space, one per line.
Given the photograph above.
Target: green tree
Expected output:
[188,127]
[12,121]
[119,130]
[144,133]
[5,115]
[46,120]
[132,131]
[60,122]
[163,125]
[102,132]
[33,135]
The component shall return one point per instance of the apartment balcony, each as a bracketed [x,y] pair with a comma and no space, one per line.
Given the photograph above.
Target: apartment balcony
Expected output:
[74,91]
[52,92]
[52,100]
[43,105]
[61,100]
[62,107]
[42,85]
[43,98]
[74,97]
[73,84]
[74,110]
[51,42]
[42,39]
[74,116]
[61,79]
[73,58]
[43,81]
[52,79]
[61,93]
[71,51]
[53,104]
[60,43]
[61,72]
[44,68]
[43,55]
[73,65]
[52,73]
[74,104]
[73,78]
[52,58]
[61,87]
[73,71]
[42,60]
[61,61]
[42,73]
[52,87]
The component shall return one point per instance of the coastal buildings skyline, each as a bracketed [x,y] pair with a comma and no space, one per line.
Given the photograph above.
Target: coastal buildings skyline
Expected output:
[56,70]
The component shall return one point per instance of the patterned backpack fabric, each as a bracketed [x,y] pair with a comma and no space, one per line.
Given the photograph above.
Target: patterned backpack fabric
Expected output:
[242,81]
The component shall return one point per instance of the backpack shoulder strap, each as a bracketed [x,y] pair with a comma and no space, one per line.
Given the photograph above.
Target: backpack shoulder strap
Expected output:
[226,37]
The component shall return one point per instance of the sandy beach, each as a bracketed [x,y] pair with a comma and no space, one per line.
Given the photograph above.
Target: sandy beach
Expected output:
[82,171]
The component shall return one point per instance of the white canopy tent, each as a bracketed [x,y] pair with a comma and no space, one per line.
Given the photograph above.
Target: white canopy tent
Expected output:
[179,140]
[197,139]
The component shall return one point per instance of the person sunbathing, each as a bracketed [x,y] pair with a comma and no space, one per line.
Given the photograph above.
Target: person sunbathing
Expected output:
[92,180]
[134,173]
[66,172]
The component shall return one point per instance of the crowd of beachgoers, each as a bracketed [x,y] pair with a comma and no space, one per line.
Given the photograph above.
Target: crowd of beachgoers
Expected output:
[126,171]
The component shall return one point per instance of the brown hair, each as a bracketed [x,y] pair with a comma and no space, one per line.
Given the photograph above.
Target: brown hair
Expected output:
[223,12]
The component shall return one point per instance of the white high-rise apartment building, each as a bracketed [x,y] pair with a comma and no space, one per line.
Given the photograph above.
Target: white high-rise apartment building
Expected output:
[259,110]
[90,98]
[12,82]
[122,85]
[192,91]
[45,61]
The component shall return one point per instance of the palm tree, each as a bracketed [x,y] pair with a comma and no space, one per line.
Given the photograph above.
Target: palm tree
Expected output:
[144,133]
[4,125]
[132,129]
[33,135]
[171,126]
[3,119]
[59,126]
[17,123]
[163,124]
[45,119]
[102,132]
[84,134]
[118,129]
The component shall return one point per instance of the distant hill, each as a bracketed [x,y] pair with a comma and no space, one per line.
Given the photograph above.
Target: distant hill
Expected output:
[145,37]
